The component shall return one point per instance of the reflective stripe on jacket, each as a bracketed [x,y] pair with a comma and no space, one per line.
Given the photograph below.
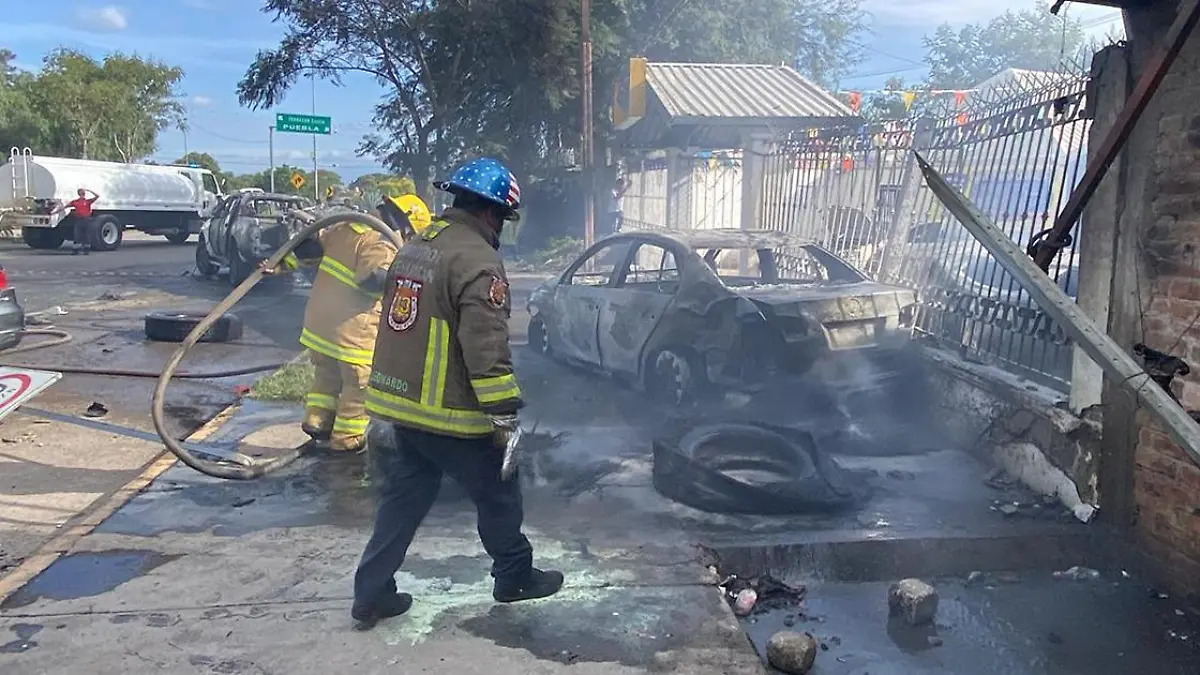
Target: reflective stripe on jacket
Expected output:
[342,317]
[442,360]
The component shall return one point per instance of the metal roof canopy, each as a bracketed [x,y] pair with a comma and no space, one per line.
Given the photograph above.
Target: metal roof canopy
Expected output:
[719,105]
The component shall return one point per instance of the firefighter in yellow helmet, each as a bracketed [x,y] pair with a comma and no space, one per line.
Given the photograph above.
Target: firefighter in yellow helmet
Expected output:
[340,324]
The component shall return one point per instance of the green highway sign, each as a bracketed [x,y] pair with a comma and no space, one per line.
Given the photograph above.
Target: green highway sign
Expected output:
[303,124]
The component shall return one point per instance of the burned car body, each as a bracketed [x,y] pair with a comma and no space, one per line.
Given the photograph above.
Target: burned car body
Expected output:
[681,311]
[245,229]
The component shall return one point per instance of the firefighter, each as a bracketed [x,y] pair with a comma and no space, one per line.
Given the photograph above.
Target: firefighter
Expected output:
[340,323]
[443,380]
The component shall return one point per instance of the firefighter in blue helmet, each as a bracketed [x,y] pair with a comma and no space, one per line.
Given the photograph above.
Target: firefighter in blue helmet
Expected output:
[442,380]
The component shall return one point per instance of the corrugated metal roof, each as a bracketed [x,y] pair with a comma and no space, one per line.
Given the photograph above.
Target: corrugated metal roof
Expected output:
[738,91]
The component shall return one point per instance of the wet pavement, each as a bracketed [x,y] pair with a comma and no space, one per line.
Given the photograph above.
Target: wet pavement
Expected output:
[202,575]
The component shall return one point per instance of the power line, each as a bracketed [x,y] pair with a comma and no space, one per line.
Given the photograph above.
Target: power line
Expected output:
[192,125]
[886,72]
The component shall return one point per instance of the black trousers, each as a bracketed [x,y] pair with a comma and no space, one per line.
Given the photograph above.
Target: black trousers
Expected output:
[82,235]
[408,477]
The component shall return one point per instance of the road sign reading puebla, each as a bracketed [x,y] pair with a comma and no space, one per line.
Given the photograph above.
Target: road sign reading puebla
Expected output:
[303,124]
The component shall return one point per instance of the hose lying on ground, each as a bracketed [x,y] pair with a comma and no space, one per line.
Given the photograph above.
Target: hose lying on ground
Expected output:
[235,465]
[62,337]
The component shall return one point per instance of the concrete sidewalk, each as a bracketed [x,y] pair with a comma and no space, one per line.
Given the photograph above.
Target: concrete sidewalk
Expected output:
[200,574]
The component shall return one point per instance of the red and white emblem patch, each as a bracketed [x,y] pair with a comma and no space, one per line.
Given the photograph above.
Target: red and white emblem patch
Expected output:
[498,293]
[403,312]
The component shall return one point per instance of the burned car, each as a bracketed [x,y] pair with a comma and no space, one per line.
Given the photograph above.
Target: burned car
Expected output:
[244,230]
[681,312]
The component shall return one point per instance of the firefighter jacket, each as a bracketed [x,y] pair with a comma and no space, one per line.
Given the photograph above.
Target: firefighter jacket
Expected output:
[442,360]
[342,316]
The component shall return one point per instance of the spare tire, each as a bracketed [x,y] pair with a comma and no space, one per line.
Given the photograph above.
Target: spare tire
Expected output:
[175,326]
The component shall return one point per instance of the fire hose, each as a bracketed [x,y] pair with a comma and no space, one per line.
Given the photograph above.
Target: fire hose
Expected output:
[235,465]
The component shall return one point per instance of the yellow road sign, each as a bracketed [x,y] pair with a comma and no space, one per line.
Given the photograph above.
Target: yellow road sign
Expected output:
[297,181]
[329,192]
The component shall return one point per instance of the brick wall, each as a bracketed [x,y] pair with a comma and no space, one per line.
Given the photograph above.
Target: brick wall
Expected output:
[1166,483]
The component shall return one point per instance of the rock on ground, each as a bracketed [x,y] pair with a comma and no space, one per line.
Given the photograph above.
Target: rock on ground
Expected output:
[914,600]
[792,653]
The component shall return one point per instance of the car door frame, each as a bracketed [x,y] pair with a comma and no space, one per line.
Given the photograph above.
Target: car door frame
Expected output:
[578,304]
[649,307]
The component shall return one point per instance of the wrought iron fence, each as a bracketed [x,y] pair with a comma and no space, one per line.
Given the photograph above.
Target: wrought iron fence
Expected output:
[1017,149]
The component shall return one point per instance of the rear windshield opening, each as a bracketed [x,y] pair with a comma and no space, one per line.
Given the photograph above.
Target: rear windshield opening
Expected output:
[742,267]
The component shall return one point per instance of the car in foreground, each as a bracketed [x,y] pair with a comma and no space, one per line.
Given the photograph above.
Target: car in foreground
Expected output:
[244,230]
[684,311]
[12,316]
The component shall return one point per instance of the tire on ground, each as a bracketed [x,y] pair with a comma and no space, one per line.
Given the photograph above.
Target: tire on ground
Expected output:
[179,237]
[109,227]
[175,326]
[43,238]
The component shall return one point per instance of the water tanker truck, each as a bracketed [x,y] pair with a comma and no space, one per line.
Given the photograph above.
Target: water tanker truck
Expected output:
[171,201]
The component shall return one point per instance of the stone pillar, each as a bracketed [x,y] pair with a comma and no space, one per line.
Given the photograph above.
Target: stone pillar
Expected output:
[754,154]
[679,192]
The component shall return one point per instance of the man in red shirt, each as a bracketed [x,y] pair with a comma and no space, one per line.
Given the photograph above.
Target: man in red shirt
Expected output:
[81,209]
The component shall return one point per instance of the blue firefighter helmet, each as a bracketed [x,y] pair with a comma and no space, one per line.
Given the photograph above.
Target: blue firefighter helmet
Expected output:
[486,178]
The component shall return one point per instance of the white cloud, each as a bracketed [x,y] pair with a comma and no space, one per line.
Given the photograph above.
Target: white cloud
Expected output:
[202,101]
[236,53]
[108,18]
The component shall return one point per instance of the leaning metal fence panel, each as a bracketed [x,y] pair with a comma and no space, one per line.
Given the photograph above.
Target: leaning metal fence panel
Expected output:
[1017,155]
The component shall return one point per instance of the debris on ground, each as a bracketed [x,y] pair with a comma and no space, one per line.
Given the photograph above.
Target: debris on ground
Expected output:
[914,600]
[791,652]
[114,296]
[1078,574]
[96,409]
[975,578]
[763,593]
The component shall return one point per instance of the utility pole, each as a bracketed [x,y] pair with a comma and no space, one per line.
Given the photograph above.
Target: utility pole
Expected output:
[316,175]
[589,161]
[271,151]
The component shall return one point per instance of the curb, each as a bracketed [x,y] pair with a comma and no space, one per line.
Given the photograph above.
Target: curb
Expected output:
[99,511]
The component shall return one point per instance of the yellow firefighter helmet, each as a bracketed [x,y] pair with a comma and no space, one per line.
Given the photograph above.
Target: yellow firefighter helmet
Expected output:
[418,213]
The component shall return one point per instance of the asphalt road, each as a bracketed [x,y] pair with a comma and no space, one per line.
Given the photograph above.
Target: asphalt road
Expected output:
[54,463]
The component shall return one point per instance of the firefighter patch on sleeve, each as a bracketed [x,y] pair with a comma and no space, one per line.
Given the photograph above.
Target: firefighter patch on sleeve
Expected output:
[403,313]
[498,293]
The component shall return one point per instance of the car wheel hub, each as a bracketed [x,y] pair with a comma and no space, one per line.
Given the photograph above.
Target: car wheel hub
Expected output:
[108,233]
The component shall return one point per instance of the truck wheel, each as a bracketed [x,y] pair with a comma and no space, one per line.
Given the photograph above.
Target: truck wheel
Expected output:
[204,262]
[44,238]
[107,233]
[174,327]
[179,237]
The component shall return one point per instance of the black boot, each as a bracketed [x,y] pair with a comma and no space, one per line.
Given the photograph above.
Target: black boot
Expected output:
[396,604]
[539,585]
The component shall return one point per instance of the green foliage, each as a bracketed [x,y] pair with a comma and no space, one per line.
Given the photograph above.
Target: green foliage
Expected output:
[501,77]
[289,383]
[384,185]
[558,252]
[1032,39]
[78,107]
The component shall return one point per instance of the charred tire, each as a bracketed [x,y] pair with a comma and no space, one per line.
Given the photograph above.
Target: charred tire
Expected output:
[174,327]
[205,265]
[239,269]
[752,469]
[539,338]
[107,233]
[179,237]
[674,376]
[42,238]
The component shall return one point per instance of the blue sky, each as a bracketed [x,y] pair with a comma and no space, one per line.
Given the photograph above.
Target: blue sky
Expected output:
[214,41]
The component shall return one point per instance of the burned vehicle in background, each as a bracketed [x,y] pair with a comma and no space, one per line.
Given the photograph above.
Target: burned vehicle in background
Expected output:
[244,230]
[680,313]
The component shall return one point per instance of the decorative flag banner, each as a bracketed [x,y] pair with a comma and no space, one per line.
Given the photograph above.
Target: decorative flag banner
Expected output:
[959,96]
[962,119]
[855,100]
[908,97]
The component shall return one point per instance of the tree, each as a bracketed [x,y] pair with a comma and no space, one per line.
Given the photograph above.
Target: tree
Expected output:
[77,107]
[501,76]
[1033,39]
[384,184]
